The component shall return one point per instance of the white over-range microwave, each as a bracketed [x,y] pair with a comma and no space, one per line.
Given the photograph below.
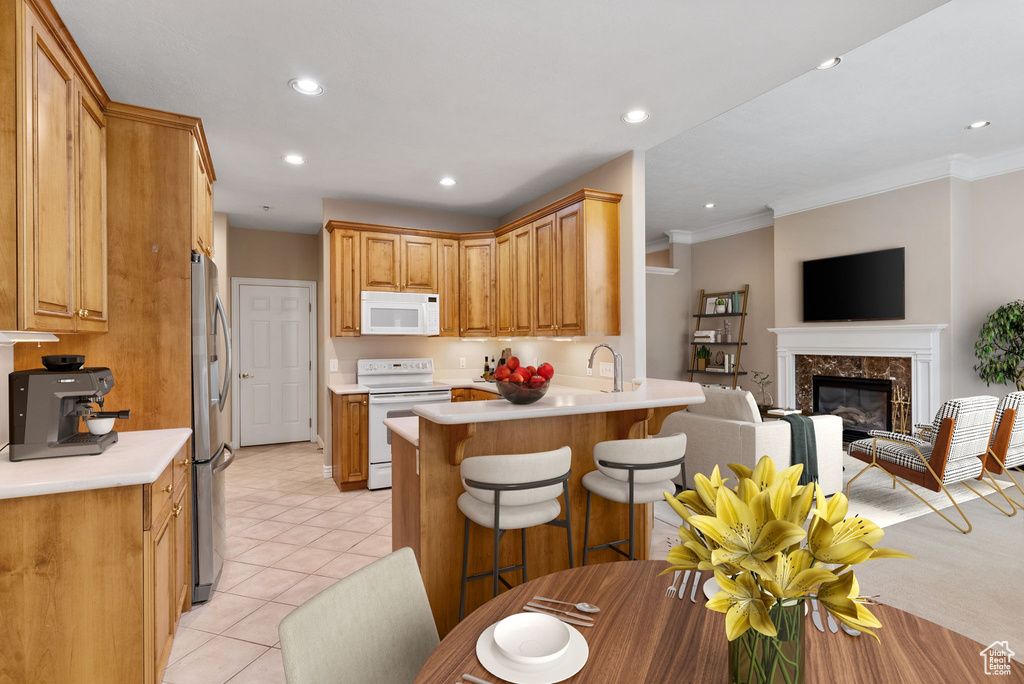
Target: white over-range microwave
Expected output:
[400,313]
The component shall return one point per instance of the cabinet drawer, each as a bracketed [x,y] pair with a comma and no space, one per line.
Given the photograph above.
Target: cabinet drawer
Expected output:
[158,495]
[182,465]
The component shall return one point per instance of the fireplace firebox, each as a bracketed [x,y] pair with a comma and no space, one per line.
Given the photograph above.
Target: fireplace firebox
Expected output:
[863,403]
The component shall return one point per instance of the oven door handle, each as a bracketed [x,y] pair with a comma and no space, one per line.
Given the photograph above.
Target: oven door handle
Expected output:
[406,398]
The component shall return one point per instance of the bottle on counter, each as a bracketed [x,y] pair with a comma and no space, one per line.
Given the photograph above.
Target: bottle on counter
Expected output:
[487,368]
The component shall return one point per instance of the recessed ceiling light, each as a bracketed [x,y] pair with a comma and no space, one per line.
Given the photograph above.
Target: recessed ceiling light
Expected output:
[294,159]
[447,180]
[977,124]
[306,86]
[636,116]
[829,64]
[709,205]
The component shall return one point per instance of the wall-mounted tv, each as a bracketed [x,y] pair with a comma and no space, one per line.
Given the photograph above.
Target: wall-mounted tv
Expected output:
[855,287]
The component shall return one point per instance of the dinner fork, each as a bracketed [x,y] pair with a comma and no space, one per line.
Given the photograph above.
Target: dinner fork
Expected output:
[671,591]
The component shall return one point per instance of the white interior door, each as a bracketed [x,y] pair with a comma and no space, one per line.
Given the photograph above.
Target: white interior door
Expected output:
[274,368]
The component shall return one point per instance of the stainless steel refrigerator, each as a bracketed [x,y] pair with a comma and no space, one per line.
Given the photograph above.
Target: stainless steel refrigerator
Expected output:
[211,382]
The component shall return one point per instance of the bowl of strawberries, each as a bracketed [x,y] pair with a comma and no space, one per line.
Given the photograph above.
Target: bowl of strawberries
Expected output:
[523,384]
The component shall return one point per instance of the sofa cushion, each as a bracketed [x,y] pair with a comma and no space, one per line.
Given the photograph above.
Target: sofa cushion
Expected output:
[727,404]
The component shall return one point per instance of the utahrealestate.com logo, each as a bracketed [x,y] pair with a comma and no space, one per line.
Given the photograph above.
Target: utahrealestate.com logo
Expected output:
[997,658]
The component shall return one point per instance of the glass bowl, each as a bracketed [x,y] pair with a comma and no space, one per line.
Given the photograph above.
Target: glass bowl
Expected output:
[521,393]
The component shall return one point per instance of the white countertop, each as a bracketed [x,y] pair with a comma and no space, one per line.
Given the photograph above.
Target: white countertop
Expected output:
[137,458]
[348,389]
[652,394]
[408,428]
[464,383]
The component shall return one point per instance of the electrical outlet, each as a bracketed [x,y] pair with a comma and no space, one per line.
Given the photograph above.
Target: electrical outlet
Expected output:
[590,371]
[607,370]
[462,362]
[334,365]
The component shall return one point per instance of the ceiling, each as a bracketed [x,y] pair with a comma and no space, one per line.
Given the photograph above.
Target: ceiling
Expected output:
[901,100]
[512,99]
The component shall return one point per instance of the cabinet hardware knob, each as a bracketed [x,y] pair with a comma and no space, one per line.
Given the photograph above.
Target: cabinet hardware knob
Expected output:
[185,461]
[364,403]
[462,330]
[169,488]
[176,510]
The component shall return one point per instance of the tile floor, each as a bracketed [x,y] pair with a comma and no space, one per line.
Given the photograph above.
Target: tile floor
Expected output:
[291,534]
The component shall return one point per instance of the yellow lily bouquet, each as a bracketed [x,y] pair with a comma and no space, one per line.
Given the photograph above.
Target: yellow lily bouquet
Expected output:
[751,537]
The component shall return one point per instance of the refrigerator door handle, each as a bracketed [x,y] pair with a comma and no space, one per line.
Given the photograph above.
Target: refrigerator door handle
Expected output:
[228,459]
[218,306]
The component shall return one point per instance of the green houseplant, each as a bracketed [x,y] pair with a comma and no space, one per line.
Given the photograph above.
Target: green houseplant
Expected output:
[703,354]
[762,380]
[1000,346]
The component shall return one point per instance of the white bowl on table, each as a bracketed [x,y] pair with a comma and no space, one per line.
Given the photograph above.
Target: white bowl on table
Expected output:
[531,638]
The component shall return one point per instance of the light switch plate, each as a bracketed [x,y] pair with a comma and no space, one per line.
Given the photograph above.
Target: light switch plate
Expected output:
[334,365]
[607,369]
[462,362]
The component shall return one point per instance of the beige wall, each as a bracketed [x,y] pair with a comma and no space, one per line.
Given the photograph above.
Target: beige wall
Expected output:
[729,263]
[660,259]
[405,217]
[273,254]
[669,307]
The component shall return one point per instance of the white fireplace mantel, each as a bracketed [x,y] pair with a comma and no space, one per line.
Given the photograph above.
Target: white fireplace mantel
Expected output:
[919,343]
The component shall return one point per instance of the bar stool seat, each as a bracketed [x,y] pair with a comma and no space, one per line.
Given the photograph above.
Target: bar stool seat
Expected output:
[618,491]
[512,517]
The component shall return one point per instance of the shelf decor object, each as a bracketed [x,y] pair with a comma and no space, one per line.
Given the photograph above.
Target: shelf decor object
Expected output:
[729,304]
[767,565]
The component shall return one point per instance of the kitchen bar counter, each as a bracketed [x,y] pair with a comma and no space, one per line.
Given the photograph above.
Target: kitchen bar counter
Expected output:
[462,383]
[427,484]
[137,458]
[407,428]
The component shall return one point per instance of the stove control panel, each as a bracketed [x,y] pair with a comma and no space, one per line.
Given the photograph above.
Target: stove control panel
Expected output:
[394,366]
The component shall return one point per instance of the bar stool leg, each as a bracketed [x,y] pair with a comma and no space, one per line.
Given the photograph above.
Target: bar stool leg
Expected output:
[465,571]
[497,539]
[568,523]
[522,539]
[586,531]
[632,513]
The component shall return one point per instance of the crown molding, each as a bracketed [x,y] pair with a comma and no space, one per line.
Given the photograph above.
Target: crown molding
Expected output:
[657,244]
[660,270]
[961,166]
[760,220]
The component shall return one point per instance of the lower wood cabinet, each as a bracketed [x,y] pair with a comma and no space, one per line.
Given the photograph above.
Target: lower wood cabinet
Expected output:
[93,583]
[350,455]
[472,394]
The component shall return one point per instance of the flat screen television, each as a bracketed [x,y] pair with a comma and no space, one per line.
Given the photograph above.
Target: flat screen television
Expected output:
[855,287]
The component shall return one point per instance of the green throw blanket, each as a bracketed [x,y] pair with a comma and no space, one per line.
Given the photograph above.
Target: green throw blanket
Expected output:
[805,449]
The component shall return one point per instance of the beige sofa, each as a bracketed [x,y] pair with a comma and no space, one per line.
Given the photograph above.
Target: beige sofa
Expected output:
[727,428]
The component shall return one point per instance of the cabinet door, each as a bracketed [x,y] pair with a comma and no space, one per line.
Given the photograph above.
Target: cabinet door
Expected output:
[546,276]
[419,264]
[181,518]
[350,456]
[380,261]
[91,160]
[345,302]
[476,302]
[571,267]
[522,281]
[46,236]
[160,610]
[201,203]
[448,277]
[505,293]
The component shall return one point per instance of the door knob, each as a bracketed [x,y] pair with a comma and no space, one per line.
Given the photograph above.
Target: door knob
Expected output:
[245,376]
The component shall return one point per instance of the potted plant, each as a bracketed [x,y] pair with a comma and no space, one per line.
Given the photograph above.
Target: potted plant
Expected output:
[767,565]
[762,380]
[703,354]
[1000,346]
[720,306]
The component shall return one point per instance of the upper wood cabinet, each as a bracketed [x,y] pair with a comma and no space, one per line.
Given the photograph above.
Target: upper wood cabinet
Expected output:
[448,278]
[476,299]
[53,148]
[552,273]
[202,203]
[345,283]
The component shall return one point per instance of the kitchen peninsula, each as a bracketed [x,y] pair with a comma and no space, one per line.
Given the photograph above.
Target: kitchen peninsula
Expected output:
[425,459]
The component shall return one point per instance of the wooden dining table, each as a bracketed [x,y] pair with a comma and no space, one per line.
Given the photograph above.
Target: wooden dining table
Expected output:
[640,635]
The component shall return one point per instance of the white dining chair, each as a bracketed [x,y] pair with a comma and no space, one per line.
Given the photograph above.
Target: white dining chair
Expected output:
[372,627]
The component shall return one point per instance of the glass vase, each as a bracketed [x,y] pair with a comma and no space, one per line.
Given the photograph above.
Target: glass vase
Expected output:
[758,659]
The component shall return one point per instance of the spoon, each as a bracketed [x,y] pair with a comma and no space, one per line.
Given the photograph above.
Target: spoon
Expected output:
[584,606]
[849,630]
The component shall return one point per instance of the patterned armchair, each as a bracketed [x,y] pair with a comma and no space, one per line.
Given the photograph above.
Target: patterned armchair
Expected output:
[1007,448]
[952,449]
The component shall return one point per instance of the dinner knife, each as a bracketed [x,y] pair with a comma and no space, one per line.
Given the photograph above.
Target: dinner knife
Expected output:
[571,614]
[474,680]
[816,616]
[696,587]
[568,620]
[682,587]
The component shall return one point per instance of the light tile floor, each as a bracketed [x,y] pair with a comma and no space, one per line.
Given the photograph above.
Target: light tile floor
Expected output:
[291,534]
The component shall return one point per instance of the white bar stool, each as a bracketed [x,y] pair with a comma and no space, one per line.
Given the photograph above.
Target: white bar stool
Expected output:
[513,492]
[632,471]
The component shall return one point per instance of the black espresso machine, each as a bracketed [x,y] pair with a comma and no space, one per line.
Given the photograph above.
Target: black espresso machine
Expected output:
[47,405]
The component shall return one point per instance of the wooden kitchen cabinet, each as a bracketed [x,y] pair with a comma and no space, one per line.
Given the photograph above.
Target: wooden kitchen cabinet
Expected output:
[419,264]
[570,266]
[476,299]
[545,245]
[345,284]
[202,204]
[504,264]
[350,455]
[381,261]
[523,280]
[53,143]
[448,278]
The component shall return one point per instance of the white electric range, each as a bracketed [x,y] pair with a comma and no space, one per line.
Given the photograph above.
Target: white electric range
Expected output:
[395,386]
